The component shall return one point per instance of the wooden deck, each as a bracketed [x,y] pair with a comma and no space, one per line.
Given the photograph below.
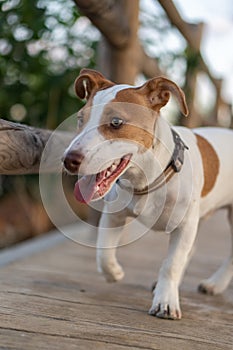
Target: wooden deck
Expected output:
[54,299]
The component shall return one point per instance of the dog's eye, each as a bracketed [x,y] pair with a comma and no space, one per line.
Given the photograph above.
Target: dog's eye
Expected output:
[116,122]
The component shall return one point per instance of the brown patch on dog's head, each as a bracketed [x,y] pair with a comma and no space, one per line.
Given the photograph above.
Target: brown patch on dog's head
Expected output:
[139,108]
[90,81]
[137,126]
[210,163]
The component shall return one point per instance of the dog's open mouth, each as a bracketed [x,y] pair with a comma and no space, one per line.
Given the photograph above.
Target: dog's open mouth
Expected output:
[92,187]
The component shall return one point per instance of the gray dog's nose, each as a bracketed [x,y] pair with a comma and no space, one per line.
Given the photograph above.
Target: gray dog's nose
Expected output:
[72,161]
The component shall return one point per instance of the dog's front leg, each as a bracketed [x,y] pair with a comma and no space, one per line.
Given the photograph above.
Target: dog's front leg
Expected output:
[166,294]
[109,233]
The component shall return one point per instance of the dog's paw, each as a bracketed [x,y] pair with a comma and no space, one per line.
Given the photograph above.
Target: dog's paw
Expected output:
[207,288]
[166,302]
[114,277]
[112,272]
[165,311]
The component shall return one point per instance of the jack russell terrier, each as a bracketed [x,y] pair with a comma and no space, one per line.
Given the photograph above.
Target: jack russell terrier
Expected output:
[176,176]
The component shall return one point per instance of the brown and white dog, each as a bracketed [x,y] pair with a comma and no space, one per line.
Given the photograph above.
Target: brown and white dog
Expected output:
[176,176]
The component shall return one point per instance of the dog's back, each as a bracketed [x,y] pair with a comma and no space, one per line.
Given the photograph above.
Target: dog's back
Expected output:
[216,146]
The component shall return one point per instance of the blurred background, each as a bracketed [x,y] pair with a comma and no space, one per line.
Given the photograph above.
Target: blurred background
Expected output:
[44,44]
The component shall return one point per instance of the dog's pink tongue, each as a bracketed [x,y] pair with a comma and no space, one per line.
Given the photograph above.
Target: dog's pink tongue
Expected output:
[84,189]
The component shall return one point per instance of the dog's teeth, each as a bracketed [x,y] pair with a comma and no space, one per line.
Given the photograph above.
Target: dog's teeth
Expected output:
[108,173]
[97,188]
[117,162]
[113,167]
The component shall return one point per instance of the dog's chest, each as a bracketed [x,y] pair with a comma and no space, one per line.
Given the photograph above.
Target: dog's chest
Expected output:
[159,210]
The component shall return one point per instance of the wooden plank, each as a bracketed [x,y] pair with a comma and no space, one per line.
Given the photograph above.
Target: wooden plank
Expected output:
[34,245]
[49,342]
[55,299]
[108,325]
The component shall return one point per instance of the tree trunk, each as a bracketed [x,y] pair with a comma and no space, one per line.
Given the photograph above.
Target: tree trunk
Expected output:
[21,149]
[122,64]
[108,17]
[121,56]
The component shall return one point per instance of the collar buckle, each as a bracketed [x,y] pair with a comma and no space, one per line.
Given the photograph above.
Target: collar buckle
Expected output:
[178,154]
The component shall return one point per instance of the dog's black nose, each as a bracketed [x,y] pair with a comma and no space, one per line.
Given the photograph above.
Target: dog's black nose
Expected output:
[72,161]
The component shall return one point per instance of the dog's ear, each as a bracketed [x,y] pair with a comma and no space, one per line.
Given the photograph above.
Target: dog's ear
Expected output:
[88,81]
[158,92]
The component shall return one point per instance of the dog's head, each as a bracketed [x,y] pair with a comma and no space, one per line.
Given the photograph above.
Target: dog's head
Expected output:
[116,124]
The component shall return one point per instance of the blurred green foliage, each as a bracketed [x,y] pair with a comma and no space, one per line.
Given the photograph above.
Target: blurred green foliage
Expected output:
[43,45]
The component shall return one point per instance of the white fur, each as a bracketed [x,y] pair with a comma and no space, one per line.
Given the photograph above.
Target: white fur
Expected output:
[180,200]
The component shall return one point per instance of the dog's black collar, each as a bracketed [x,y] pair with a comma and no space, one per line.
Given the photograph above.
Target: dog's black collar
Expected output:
[174,166]
[177,159]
